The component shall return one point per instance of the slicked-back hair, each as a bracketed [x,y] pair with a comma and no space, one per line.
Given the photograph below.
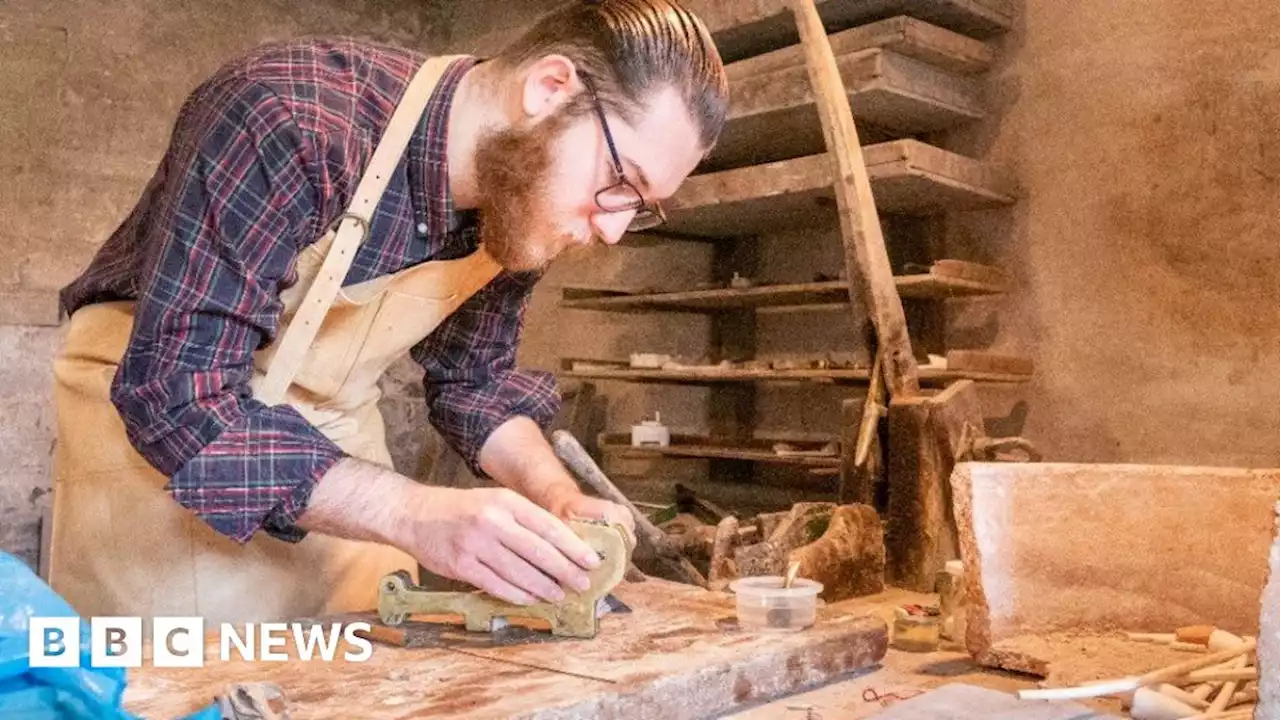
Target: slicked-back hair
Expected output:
[632,49]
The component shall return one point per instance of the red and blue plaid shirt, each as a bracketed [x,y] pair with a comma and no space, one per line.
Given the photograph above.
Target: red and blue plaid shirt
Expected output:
[264,156]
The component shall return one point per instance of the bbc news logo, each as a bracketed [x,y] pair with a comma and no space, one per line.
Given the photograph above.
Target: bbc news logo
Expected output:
[179,642]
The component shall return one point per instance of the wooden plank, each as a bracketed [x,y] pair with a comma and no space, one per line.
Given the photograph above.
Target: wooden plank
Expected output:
[984,361]
[755,449]
[906,176]
[907,36]
[743,28]
[866,259]
[1051,547]
[773,116]
[679,654]
[856,376]
[922,286]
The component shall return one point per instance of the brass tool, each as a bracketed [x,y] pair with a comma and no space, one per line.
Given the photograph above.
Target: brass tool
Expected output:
[575,616]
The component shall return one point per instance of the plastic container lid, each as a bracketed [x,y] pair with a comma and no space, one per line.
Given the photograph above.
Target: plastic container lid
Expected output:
[771,586]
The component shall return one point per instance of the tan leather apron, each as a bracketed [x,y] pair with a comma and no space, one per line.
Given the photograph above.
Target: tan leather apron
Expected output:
[121,545]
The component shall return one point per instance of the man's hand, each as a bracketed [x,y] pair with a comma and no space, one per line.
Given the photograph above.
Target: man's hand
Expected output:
[572,503]
[519,457]
[492,538]
[498,541]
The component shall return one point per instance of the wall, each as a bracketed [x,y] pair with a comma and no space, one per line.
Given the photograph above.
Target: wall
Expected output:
[1147,246]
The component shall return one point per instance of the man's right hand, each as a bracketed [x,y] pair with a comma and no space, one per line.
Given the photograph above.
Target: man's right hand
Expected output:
[499,541]
[492,538]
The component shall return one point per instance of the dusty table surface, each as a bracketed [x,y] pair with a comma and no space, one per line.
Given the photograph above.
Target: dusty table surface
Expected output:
[680,654]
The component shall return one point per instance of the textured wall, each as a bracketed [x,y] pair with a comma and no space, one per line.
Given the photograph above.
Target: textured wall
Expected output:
[1147,248]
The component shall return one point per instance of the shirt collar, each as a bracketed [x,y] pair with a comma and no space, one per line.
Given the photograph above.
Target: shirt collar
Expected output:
[428,156]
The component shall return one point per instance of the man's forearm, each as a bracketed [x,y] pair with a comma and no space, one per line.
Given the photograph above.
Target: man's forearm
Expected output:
[358,500]
[520,458]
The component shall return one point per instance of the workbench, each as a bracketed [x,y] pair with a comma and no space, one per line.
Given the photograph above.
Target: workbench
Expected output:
[678,654]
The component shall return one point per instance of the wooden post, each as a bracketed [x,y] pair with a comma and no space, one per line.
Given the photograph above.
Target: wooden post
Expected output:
[866,260]
[927,434]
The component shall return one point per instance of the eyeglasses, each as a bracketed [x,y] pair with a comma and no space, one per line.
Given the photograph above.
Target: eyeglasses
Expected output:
[622,196]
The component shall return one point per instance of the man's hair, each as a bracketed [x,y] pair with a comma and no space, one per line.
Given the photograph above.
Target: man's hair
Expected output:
[631,49]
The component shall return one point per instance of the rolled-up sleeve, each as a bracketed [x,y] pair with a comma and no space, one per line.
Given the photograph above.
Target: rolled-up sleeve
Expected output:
[471,380]
[234,202]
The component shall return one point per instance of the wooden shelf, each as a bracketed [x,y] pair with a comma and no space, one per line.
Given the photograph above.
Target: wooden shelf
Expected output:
[688,446]
[773,116]
[907,177]
[742,28]
[604,370]
[834,292]
[906,36]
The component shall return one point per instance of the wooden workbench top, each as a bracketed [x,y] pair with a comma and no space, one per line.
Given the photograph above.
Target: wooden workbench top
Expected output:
[678,654]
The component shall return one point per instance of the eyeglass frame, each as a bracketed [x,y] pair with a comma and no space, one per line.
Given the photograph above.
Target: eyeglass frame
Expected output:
[648,214]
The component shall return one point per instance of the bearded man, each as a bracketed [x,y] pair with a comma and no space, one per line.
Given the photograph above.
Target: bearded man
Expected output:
[323,208]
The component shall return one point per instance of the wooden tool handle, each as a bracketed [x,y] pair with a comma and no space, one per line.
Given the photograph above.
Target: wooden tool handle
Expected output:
[573,455]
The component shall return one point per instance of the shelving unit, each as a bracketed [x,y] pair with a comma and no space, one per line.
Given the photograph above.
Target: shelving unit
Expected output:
[907,68]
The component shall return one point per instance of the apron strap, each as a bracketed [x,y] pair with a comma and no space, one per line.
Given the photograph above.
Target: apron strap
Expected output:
[291,352]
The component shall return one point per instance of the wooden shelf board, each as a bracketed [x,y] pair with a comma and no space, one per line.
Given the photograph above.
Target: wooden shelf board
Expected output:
[924,286]
[773,115]
[907,177]
[851,376]
[904,35]
[743,28]
[715,448]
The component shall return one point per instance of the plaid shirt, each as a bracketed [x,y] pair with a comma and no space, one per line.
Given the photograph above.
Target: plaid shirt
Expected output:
[265,155]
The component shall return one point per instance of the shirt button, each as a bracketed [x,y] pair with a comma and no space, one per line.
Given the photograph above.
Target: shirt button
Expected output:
[422,228]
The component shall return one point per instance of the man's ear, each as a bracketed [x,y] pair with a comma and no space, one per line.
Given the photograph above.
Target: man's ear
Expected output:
[549,82]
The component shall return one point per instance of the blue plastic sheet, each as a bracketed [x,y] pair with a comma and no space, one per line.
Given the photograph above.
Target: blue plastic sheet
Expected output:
[71,693]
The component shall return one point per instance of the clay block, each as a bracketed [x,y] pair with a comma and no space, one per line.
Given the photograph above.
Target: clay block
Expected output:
[1090,548]
[1269,637]
[849,557]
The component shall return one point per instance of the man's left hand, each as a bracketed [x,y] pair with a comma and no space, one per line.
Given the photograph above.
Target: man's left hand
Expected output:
[573,503]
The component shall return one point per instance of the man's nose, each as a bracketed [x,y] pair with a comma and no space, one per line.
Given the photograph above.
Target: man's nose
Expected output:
[612,226]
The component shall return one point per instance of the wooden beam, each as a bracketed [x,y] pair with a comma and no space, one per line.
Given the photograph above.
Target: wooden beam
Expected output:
[926,434]
[866,260]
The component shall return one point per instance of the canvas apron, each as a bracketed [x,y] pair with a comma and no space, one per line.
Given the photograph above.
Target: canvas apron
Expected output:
[121,545]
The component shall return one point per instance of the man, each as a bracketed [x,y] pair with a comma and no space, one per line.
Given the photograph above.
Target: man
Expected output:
[220,450]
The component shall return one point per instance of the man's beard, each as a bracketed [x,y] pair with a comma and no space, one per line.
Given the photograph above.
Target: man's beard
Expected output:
[513,168]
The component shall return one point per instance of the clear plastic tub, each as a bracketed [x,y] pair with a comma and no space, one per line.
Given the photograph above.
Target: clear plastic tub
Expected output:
[764,604]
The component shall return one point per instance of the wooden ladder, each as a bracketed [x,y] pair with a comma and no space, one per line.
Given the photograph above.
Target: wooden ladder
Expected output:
[927,434]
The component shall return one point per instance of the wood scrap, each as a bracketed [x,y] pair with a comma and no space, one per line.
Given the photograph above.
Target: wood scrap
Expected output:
[983,361]
[970,271]
[721,568]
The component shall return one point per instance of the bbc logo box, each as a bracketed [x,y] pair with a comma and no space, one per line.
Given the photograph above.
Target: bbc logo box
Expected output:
[180,641]
[115,641]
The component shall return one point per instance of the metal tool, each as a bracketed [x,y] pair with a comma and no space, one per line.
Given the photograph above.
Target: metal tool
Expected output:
[575,616]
